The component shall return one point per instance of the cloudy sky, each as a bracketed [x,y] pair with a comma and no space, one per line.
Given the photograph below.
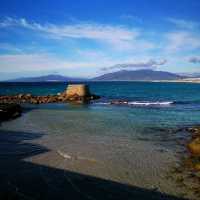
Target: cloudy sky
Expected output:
[91,37]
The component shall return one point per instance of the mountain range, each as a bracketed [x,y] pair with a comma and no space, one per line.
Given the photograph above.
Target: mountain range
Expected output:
[138,75]
[123,75]
[48,78]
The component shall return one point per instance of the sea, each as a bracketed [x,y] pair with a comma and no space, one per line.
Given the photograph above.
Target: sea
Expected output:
[136,143]
[151,104]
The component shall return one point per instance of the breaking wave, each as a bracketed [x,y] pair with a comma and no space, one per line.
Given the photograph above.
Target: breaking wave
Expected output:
[149,103]
[138,103]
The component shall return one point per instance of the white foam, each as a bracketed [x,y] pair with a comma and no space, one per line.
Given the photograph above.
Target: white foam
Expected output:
[102,103]
[138,103]
[153,103]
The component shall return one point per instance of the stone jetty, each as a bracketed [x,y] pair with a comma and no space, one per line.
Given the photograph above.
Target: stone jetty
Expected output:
[75,93]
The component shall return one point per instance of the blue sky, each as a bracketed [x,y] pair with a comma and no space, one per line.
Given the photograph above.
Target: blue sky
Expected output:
[91,37]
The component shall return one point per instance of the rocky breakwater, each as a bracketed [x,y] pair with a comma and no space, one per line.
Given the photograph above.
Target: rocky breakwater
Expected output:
[75,93]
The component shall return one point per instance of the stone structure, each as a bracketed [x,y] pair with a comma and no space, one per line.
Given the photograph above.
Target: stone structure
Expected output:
[81,90]
[78,93]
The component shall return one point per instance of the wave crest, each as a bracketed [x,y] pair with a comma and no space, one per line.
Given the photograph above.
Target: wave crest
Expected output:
[149,103]
[137,103]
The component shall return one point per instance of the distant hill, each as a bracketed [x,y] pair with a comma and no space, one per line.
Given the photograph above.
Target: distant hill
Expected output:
[48,78]
[138,75]
[123,75]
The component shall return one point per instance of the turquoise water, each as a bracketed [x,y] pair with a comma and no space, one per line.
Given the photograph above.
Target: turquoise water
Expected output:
[183,92]
[149,103]
[155,108]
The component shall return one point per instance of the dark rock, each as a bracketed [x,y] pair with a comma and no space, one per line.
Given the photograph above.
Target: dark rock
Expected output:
[94,97]
[195,131]
[9,111]
[34,101]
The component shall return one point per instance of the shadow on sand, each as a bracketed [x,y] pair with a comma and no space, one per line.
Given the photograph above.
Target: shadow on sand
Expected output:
[24,180]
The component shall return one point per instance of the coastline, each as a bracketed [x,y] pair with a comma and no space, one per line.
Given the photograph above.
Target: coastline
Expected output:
[187,80]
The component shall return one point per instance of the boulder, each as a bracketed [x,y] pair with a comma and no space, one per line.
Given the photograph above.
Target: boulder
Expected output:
[195,131]
[197,167]
[34,101]
[8,111]
[194,146]
[28,96]
[20,96]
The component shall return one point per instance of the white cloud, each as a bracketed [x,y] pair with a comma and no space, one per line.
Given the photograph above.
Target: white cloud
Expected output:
[91,65]
[149,64]
[121,44]
[119,37]
[181,41]
[195,59]
[184,24]
[36,62]
[82,30]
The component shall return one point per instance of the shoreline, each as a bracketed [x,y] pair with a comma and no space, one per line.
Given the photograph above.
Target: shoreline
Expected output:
[178,81]
[133,162]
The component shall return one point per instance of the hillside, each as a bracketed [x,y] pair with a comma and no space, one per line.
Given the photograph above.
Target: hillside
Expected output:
[138,75]
[48,78]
